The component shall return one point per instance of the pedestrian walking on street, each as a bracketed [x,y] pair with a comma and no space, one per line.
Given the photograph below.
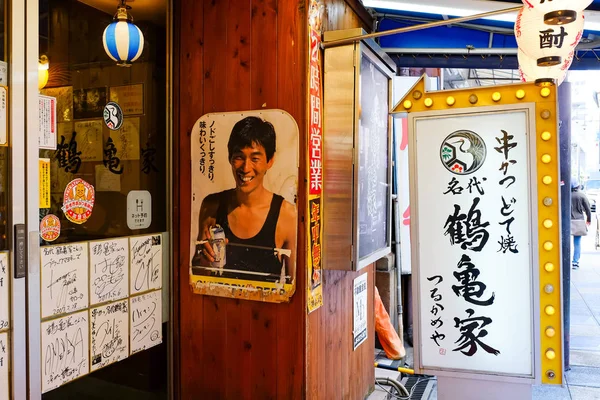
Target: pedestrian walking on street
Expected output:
[581,218]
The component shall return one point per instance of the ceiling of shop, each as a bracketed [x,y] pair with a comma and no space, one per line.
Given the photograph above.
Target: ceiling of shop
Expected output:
[141,10]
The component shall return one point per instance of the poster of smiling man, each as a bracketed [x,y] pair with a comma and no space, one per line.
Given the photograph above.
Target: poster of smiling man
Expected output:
[244,212]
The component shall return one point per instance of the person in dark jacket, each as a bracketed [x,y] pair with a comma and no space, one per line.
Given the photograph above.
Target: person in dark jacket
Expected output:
[581,218]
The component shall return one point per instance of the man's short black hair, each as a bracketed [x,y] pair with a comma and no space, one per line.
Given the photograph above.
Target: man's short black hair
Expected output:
[249,131]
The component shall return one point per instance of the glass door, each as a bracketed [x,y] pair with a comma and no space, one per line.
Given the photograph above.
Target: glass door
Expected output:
[84,199]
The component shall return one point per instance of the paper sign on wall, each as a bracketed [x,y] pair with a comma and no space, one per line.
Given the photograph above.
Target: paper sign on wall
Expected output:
[64,286]
[89,139]
[106,181]
[4,291]
[146,263]
[146,321]
[4,366]
[139,209]
[359,329]
[109,326]
[47,122]
[109,272]
[65,350]
[44,183]
[3,115]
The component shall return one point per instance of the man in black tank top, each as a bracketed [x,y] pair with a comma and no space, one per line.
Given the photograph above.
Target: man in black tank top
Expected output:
[259,225]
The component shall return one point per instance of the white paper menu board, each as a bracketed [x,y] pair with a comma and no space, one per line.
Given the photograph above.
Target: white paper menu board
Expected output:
[146,321]
[64,278]
[65,350]
[47,122]
[109,328]
[146,263]
[109,270]
[4,366]
[4,291]
[3,116]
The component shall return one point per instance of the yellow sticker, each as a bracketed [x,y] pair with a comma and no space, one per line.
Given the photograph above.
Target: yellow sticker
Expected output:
[44,183]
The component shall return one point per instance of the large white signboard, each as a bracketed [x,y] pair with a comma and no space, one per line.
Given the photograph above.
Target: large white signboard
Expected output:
[146,263]
[4,292]
[473,250]
[4,364]
[65,350]
[64,278]
[109,270]
[109,333]
[146,321]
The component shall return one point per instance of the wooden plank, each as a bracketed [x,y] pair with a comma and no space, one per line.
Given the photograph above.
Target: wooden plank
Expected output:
[264,54]
[292,97]
[237,88]
[214,323]
[189,346]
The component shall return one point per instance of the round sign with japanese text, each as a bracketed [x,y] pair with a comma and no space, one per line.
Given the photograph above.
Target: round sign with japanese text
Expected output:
[463,152]
[78,201]
[50,228]
[113,116]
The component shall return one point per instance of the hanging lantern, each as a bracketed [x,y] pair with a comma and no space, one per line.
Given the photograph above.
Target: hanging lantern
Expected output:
[123,40]
[549,45]
[557,12]
[531,72]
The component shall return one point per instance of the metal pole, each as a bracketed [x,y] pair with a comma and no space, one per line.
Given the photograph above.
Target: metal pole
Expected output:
[342,42]
[564,114]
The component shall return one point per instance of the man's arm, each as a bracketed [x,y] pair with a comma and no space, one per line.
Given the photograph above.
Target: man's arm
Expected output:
[207,218]
[586,207]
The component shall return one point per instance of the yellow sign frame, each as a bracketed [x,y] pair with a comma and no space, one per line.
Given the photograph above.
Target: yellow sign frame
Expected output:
[418,99]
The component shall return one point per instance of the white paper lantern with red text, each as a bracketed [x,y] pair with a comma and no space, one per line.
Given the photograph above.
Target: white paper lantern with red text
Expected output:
[530,71]
[549,44]
[557,12]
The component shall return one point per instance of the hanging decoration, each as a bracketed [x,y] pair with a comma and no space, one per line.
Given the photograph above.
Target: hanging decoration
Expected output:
[123,40]
[547,34]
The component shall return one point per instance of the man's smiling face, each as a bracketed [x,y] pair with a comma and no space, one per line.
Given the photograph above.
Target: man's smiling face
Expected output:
[249,166]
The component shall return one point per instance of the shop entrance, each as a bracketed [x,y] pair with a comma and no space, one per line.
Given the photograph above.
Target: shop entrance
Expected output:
[84,199]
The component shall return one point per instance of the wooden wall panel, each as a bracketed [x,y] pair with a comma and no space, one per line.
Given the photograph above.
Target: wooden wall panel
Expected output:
[334,369]
[235,56]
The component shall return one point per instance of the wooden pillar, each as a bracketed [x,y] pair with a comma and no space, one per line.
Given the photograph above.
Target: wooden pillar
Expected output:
[234,55]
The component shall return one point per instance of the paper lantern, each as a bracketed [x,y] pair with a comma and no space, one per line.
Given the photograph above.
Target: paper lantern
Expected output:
[557,12]
[531,72]
[546,43]
[123,40]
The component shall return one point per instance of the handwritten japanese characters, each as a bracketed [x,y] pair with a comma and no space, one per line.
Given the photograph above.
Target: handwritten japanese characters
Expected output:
[4,367]
[472,200]
[64,270]
[109,270]
[109,333]
[4,292]
[146,263]
[145,321]
[207,150]
[65,350]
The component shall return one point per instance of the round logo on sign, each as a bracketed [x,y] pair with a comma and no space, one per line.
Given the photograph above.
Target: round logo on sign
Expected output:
[78,201]
[463,152]
[50,228]
[113,116]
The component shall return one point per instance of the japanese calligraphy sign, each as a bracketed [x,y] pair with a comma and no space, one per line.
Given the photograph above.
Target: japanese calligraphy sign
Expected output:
[315,160]
[3,116]
[4,366]
[244,213]
[481,174]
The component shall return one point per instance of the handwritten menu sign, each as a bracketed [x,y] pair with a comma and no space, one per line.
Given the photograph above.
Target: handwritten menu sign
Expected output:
[109,272]
[109,327]
[146,321]
[65,350]
[146,263]
[4,361]
[4,289]
[47,122]
[64,278]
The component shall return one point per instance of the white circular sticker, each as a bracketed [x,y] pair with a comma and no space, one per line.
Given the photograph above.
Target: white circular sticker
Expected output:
[113,116]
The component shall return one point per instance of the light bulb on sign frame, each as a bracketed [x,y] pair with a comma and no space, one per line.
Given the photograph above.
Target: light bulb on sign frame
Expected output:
[123,40]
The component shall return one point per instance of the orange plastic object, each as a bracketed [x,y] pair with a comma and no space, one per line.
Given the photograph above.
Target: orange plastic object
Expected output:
[391,342]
